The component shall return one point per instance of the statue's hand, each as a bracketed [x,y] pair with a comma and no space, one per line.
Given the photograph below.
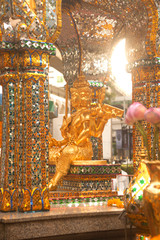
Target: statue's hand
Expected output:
[54,142]
[95,111]
[98,113]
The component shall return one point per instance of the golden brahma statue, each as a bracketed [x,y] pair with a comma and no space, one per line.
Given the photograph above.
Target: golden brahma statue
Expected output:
[88,120]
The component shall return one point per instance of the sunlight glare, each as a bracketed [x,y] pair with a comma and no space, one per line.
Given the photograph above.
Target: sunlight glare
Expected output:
[118,65]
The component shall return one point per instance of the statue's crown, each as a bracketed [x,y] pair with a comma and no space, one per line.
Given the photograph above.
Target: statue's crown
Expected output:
[81,84]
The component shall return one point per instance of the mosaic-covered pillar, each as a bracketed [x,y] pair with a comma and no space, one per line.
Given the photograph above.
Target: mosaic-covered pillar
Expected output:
[23,169]
[144,64]
[27,33]
[35,125]
[146,88]
[98,95]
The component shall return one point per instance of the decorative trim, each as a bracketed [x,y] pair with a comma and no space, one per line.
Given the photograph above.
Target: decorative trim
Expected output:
[91,170]
[29,44]
[143,62]
[81,197]
[95,83]
[35,200]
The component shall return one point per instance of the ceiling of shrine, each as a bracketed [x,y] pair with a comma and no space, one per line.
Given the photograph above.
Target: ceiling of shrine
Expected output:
[91,29]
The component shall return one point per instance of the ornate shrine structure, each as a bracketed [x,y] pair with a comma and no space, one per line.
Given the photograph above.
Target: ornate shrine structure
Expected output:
[89,33]
[91,30]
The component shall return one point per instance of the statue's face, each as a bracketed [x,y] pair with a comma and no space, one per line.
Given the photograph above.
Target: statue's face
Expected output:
[80,98]
[75,99]
[85,98]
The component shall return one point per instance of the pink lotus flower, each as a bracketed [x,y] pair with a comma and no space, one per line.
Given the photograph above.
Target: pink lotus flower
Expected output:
[135,113]
[152,115]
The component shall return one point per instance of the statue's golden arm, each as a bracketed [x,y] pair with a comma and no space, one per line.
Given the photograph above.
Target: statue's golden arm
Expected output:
[115,112]
[65,127]
[98,121]
[85,133]
[97,127]
[54,142]
[62,142]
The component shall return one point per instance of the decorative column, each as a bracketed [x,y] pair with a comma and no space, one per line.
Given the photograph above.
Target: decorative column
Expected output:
[24,77]
[146,88]
[144,66]
[97,89]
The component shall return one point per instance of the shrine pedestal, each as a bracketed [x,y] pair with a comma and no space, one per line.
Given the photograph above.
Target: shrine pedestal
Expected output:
[86,181]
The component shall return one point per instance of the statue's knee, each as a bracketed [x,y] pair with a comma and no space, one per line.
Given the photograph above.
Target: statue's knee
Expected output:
[69,150]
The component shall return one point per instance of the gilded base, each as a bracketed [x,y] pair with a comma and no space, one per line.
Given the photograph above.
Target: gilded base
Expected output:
[87,177]
[36,200]
[62,197]
[24,200]
[8,200]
